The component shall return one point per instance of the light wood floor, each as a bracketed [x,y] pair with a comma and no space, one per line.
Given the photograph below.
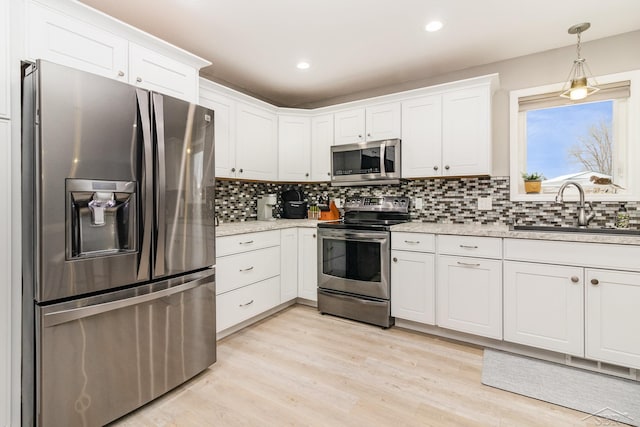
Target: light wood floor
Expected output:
[299,368]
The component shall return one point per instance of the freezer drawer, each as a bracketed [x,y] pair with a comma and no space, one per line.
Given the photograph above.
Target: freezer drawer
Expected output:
[101,357]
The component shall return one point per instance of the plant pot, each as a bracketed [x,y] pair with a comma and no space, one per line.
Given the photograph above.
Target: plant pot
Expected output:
[532,186]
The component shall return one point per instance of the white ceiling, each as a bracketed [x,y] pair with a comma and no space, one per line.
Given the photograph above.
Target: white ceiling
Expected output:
[359,45]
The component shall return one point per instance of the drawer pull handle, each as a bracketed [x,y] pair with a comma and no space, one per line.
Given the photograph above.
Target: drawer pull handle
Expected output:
[468,247]
[248,242]
[594,281]
[468,264]
[246,304]
[575,279]
[247,269]
[412,242]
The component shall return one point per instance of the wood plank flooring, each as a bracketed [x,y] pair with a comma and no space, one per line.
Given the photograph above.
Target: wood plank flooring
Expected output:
[299,368]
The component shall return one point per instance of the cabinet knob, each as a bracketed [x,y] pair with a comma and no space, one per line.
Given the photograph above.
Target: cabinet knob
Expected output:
[233,169]
[594,281]
[306,174]
[447,167]
[575,279]
[314,235]
[369,135]
[120,73]
[241,170]
[395,259]
[360,136]
[139,79]
[435,168]
[328,173]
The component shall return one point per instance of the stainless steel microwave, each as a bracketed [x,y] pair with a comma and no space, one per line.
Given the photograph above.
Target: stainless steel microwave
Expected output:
[365,163]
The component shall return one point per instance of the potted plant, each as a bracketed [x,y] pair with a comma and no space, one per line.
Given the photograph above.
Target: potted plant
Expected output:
[532,182]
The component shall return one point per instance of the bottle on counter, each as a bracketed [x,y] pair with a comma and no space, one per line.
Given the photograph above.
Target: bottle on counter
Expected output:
[622,217]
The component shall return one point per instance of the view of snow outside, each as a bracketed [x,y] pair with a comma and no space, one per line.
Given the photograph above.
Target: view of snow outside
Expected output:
[572,142]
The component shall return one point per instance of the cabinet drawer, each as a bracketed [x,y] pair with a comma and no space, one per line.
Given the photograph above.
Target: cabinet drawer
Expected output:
[234,271]
[244,303]
[228,245]
[415,242]
[484,247]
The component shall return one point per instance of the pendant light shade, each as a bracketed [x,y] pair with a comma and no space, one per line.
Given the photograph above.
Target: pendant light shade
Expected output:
[577,86]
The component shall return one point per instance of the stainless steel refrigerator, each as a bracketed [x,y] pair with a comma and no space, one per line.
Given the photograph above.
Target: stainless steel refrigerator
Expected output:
[119,246]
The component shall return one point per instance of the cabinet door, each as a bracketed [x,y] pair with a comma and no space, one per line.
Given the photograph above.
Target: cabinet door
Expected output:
[4,60]
[308,264]
[466,132]
[294,148]
[153,71]
[349,126]
[224,128]
[413,286]
[469,295]
[321,142]
[383,122]
[543,306]
[59,38]
[422,137]
[5,273]
[288,264]
[613,317]
[256,143]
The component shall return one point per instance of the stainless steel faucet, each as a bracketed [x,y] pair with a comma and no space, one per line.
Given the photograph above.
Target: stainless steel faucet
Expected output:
[583,218]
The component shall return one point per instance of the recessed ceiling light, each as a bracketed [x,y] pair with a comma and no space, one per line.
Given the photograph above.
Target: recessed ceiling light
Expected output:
[303,65]
[433,26]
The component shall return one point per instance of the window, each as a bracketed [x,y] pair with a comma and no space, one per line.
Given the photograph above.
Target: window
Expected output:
[593,142]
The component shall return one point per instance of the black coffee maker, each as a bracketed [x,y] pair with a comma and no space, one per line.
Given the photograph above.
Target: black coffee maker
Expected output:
[293,204]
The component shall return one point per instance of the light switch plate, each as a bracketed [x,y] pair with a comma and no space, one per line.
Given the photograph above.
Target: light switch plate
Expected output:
[485,203]
[417,203]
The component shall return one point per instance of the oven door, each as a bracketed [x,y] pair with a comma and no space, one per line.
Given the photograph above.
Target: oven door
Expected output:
[354,261]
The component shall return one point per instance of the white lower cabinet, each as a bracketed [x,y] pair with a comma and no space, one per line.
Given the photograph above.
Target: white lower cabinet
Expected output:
[244,268]
[288,264]
[413,286]
[246,302]
[613,317]
[308,263]
[543,306]
[469,295]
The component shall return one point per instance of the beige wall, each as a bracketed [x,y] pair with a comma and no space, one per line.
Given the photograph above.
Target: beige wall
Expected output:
[604,56]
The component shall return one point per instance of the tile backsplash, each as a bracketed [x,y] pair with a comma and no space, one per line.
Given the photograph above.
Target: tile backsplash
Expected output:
[444,201]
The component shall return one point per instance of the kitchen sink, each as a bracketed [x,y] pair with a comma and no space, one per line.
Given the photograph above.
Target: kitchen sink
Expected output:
[564,229]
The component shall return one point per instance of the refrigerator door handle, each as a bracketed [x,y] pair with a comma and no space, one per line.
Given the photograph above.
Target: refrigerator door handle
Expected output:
[64,316]
[158,117]
[146,185]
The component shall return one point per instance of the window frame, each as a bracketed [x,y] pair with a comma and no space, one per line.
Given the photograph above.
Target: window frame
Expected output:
[626,122]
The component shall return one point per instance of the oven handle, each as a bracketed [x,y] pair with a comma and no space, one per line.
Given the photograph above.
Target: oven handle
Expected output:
[355,236]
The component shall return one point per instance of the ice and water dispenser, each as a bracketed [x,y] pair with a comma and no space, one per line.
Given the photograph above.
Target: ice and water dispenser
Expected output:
[101,217]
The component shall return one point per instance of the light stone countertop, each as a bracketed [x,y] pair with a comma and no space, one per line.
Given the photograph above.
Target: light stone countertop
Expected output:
[231,228]
[484,230]
[501,230]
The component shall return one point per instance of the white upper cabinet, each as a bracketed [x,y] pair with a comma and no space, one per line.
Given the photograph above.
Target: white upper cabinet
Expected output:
[4,60]
[448,133]
[367,124]
[422,137]
[224,128]
[383,122]
[68,41]
[256,143]
[153,71]
[72,34]
[294,148]
[466,132]
[321,142]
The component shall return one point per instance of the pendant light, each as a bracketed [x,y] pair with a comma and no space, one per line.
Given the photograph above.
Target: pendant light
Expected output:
[577,86]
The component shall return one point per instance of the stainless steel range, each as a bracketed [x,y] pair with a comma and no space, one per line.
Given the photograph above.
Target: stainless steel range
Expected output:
[354,259]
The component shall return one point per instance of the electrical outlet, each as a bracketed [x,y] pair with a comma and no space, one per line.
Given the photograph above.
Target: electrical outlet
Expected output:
[417,202]
[485,203]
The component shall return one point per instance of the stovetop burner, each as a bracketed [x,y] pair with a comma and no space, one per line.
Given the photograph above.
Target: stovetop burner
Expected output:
[372,213]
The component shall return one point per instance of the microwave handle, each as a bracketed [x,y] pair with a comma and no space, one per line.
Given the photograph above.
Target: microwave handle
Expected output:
[383,149]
